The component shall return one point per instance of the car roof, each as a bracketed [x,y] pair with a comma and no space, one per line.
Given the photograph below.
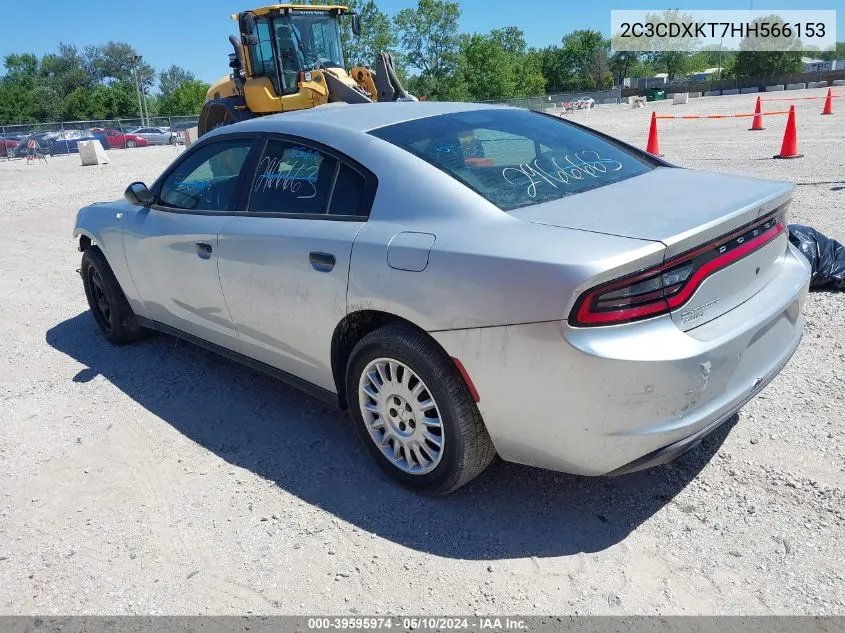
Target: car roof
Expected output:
[362,117]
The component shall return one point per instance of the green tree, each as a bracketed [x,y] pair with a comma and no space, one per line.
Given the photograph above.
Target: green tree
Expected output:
[586,51]
[64,70]
[671,55]
[170,79]
[77,105]
[767,63]
[187,98]
[486,68]
[837,54]
[530,81]
[115,61]
[758,56]
[498,66]
[378,35]
[429,38]
[620,63]
[557,68]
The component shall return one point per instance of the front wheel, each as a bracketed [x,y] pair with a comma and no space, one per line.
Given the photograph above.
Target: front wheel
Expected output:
[130,144]
[414,412]
[109,307]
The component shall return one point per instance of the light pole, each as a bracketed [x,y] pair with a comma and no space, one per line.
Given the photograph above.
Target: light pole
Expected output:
[139,87]
[720,58]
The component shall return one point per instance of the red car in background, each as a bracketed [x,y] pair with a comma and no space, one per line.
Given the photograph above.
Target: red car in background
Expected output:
[7,144]
[119,140]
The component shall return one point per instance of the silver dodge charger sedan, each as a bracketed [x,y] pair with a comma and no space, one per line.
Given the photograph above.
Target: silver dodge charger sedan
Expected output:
[467,280]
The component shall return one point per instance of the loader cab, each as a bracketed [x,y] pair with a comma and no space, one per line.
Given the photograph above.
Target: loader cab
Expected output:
[283,42]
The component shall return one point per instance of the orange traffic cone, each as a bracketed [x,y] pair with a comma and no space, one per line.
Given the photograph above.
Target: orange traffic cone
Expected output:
[653,146]
[828,103]
[757,124]
[789,148]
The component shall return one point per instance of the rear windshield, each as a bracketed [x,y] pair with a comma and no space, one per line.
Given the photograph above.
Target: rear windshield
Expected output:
[515,158]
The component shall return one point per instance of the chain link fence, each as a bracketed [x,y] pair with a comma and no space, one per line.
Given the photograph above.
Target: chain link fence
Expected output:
[712,85]
[62,138]
[558,101]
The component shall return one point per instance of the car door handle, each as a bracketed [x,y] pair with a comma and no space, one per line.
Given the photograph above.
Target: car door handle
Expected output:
[204,250]
[323,262]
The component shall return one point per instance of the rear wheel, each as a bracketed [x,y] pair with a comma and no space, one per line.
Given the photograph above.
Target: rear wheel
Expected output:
[414,413]
[130,144]
[109,307]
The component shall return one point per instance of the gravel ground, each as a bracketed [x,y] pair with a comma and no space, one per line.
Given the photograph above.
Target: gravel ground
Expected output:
[160,478]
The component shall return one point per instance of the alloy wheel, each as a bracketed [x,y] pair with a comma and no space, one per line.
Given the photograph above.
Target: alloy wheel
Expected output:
[101,301]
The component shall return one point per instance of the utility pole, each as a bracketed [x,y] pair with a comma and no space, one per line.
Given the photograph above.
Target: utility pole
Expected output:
[137,87]
[720,58]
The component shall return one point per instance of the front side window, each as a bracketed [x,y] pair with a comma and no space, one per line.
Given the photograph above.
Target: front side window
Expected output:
[206,180]
[515,158]
[325,41]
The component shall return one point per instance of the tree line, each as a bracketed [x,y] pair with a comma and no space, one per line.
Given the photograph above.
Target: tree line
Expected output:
[98,82]
[439,61]
[434,59]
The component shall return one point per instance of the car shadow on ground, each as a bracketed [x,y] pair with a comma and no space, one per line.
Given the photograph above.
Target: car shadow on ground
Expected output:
[311,450]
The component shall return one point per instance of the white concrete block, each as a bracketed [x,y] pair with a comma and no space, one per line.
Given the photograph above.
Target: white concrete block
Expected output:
[801,86]
[839,82]
[748,91]
[694,95]
[712,93]
[730,91]
[92,153]
[191,136]
[680,98]
[817,84]
[776,88]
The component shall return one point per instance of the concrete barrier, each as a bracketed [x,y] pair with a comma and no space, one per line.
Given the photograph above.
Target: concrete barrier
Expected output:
[712,93]
[92,153]
[680,98]
[796,86]
[748,91]
[776,88]
[817,84]
[730,91]
[191,136]
[694,95]
[839,82]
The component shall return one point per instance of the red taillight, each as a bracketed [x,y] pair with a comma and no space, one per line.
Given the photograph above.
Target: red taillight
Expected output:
[669,285]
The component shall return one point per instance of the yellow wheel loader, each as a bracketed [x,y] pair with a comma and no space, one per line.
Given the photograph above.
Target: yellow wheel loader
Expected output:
[290,57]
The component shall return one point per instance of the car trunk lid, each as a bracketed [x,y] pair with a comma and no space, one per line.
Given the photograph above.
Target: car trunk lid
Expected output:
[687,211]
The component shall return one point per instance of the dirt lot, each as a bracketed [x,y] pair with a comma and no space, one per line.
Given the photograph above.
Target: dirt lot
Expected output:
[159,478]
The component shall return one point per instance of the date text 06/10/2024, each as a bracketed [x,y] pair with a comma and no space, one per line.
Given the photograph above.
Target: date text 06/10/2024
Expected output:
[416,623]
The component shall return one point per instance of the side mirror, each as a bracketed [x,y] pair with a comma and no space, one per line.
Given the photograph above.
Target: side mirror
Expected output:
[137,193]
[247,23]
[356,24]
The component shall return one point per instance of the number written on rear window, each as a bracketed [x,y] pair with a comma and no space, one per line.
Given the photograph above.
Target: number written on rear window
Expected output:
[296,179]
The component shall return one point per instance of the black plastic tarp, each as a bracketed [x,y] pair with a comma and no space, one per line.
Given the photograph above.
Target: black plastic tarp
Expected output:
[826,257]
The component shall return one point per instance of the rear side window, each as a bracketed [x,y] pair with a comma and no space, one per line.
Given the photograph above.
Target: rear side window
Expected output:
[297,179]
[292,178]
[515,158]
[349,191]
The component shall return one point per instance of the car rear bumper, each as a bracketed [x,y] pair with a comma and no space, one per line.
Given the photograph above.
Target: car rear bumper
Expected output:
[595,401]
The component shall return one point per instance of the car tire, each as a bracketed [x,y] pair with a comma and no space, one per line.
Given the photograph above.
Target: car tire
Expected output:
[465,448]
[108,304]
[130,144]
